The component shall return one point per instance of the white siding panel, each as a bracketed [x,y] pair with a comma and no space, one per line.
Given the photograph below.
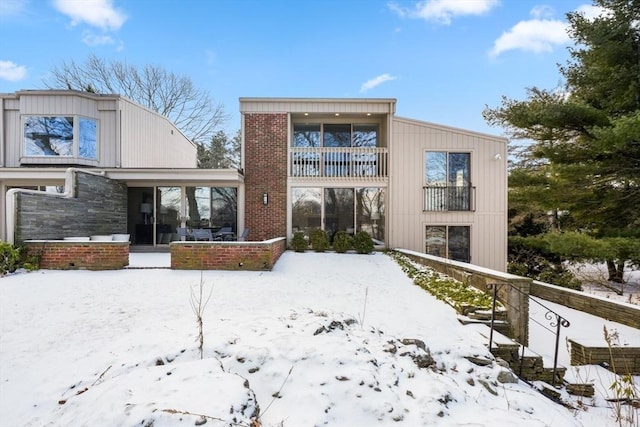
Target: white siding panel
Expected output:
[410,139]
[302,105]
[128,134]
[151,140]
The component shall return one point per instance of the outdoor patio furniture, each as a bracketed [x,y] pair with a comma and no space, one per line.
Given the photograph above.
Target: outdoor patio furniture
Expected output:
[244,235]
[225,233]
[202,234]
[183,233]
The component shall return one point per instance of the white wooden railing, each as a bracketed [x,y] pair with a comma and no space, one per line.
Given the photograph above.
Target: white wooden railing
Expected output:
[353,162]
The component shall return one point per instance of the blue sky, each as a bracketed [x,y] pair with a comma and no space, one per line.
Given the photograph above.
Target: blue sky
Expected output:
[443,60]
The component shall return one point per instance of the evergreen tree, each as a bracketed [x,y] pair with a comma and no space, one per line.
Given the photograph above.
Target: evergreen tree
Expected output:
[582,166]
[222,152]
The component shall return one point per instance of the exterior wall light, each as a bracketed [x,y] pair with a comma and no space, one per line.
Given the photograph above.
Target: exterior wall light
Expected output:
[265,199]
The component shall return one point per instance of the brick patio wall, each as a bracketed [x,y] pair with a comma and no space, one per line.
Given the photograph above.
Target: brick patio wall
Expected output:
[254,256]
[265,138]
[63,255]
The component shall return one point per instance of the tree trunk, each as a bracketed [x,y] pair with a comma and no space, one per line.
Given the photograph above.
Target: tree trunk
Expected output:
[615,271]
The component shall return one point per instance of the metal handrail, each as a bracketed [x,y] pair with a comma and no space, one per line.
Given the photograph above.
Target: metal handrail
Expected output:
[449,198]
[555,320]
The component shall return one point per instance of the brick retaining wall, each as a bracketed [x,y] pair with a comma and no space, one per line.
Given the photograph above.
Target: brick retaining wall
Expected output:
[619,312]
[63,255]
[253,256]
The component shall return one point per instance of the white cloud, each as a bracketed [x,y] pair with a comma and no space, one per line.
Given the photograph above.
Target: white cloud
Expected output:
[11,71]
[442,11]
[376,81]
[97,13]
[91,39]
[12,7]
[590,11]
[542,12]
[535,35]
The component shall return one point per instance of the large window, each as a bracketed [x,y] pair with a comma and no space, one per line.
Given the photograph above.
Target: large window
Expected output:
[339,209]
[334,149]
[447,180]
[335,135]
[452,242]
[60,136]
[212,207]
[306,209]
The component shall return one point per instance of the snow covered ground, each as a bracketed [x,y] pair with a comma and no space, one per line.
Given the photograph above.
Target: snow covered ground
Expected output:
[594,281]
[323,339]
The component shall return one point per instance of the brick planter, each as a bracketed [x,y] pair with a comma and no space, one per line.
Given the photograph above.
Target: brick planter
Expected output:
[65,255]
[254,256]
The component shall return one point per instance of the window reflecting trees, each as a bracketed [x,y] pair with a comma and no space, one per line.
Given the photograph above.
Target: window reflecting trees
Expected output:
[335,209]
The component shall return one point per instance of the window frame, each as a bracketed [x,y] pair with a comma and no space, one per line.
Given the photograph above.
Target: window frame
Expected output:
[77,132]
[443,195]
[447,239]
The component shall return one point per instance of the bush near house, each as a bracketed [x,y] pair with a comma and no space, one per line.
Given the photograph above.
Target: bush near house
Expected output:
[12,258]
[363,243]
[299,242]
[342,242]
[9,258]
[319,240]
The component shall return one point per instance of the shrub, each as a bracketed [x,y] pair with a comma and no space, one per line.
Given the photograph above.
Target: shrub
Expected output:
[363,243]
[342,242]
[9,258]
[299,242]
[319,240]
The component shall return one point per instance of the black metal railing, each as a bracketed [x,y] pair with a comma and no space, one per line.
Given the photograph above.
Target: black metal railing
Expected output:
[555,321]
[449,198]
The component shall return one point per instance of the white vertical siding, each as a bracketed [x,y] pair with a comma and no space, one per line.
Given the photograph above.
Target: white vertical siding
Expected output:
[128,134]
[407,220]
[151,140]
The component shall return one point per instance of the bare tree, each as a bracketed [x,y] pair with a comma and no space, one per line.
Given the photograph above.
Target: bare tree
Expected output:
[191,109]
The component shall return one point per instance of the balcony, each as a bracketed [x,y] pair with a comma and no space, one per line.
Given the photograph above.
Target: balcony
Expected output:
[366,163]
[449,198]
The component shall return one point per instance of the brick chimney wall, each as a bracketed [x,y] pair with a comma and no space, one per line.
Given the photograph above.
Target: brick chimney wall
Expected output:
[265,137]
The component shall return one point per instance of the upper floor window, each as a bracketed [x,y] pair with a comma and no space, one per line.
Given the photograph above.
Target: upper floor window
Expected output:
[447,181]
[60,136]
[335,135]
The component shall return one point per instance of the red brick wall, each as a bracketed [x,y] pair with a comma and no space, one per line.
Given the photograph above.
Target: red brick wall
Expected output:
[265,137]
[73,255]
[253,256]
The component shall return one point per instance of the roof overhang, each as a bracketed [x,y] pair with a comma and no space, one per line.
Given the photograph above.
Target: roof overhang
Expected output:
[135,176]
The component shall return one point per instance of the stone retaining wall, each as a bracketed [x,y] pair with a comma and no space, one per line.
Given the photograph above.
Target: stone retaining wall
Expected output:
[512,291]
[619,312]
[226,255]
[64,255]
[95,205]
[621,360]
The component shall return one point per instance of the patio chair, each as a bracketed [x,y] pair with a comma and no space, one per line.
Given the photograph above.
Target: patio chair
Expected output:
[225,233]
[183,233]
[244,235]
[202,234]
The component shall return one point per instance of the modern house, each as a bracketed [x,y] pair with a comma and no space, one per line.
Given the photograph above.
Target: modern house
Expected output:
[351,164]
[75,163]
[145,180]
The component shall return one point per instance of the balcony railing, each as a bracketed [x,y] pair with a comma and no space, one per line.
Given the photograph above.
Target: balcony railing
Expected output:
[449,198]
[354,162]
